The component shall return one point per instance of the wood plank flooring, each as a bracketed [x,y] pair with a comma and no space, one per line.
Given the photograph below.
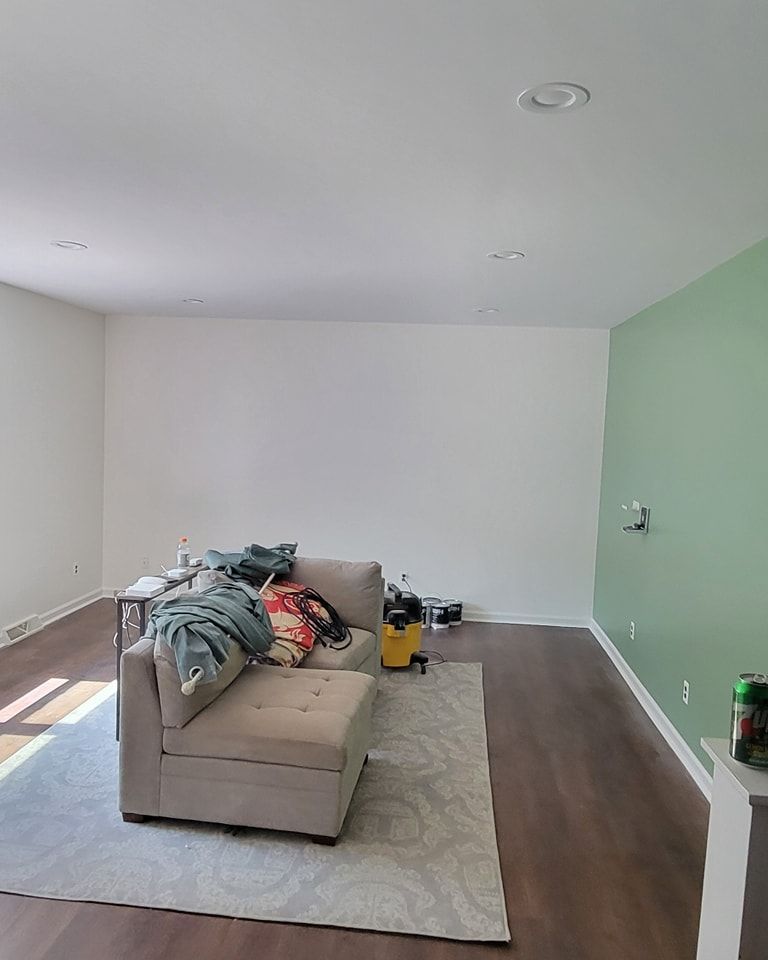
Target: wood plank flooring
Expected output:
[601,832]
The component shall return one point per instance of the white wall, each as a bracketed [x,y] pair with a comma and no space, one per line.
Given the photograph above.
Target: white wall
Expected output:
[51,453]
[469,457]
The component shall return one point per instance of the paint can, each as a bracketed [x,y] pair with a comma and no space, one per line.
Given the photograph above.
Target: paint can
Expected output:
[426,606]
[749,720]
[441,616]
[455,611]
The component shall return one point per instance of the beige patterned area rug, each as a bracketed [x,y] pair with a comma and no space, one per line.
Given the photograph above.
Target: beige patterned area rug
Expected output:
[418,853]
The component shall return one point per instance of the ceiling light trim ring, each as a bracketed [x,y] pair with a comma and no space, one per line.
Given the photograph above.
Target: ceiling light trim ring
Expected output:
[556,97]
[506,255]
[69,245]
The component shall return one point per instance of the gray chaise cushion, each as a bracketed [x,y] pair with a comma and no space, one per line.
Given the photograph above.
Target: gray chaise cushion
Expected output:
[302,718]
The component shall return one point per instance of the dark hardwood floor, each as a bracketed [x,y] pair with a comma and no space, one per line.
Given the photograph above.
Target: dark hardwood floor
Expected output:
[601,833]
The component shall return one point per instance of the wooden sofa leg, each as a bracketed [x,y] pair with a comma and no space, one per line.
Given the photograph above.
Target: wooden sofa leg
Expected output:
[324,841]
[134,817]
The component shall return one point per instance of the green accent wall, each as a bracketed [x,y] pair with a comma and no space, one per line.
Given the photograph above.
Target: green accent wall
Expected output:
[686,433]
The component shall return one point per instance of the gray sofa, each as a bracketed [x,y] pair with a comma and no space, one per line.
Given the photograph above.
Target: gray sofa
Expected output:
[261,746]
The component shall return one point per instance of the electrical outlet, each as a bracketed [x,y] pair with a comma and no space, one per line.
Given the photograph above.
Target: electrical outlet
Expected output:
[405,577]
[145,563]
[631,629]
[75,569]
[686,691]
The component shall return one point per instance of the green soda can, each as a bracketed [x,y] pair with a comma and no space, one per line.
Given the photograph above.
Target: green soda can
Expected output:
[749,720]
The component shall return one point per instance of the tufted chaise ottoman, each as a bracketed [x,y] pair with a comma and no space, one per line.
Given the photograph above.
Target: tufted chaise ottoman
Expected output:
[261,746]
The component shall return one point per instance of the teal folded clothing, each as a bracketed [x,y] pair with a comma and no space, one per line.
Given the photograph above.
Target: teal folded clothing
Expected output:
[200,629]
[255,563]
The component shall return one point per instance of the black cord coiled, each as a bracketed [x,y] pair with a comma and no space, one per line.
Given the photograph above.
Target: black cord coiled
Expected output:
[333,632]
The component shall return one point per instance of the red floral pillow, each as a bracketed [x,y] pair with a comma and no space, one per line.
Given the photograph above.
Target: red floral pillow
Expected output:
[286,618]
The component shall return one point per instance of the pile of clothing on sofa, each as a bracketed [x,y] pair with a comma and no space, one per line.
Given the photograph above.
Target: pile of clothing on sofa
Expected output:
[245,598]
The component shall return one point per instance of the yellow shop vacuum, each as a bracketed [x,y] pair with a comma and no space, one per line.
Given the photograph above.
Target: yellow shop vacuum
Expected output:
[401,634]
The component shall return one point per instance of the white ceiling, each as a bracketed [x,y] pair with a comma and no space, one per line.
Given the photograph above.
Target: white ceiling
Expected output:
[357,159]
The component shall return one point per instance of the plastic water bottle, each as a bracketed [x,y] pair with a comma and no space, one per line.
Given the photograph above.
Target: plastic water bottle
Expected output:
[182,552]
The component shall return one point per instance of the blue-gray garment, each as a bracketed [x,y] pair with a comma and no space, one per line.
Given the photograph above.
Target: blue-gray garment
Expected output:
[201,627]
[255,563]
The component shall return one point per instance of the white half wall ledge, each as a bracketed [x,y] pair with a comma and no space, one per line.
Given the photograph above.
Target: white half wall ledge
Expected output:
[693,766]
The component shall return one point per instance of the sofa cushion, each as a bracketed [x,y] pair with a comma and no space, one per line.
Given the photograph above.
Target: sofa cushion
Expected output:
[362,646]
[299,718]
[178,708]
[353,588]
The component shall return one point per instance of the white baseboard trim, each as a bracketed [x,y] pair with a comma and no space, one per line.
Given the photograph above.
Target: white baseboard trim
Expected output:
[54,614]
[661,721]
[71,606]
[483,616]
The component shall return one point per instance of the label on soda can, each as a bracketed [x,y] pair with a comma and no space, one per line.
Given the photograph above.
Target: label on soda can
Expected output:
[749,720]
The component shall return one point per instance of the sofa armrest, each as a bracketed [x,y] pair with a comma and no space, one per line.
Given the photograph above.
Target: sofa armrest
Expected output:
[355,589]
[141,731]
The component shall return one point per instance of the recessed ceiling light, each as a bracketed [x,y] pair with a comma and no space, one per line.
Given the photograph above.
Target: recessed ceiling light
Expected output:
[192,300]
[69,245]
[554,97]
[485,310]
[506,255]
